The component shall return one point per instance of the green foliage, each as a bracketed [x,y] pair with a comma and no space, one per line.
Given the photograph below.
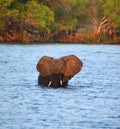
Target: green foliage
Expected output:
[71,25]
[112,10]
[42,15]
[22,10]
[4,12]
[49,16]
[17,4]
[68,12]
[105,39]
[59,12]
[5,3]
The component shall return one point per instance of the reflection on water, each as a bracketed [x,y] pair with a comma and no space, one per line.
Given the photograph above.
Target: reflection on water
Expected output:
[91,101]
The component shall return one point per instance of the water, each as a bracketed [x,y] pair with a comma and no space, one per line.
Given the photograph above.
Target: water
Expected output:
[92,100]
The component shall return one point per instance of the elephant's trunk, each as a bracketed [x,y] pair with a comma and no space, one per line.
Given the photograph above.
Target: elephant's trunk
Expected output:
[50,83]
[56,80]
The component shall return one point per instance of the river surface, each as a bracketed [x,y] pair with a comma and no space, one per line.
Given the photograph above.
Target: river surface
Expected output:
[91,101]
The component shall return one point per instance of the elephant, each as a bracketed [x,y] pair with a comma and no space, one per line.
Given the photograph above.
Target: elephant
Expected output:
[57,72]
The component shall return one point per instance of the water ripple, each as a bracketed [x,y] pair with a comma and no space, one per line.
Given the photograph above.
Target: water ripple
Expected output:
[91,101]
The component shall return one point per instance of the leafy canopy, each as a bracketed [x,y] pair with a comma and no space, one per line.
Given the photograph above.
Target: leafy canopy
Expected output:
[112,10]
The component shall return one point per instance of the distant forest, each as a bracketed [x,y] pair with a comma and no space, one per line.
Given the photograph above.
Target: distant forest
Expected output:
[70,21]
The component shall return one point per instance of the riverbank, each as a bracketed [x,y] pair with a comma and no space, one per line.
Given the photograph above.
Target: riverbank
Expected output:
[50,43]
[84,39]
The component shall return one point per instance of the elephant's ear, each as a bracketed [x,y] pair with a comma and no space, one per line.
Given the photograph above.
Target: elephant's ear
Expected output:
[73,66]
[43,66]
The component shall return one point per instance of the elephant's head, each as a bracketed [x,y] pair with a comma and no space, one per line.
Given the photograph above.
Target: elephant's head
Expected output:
[57,72]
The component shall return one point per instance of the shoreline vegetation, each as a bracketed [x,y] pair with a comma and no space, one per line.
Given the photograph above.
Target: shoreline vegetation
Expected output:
[67,21]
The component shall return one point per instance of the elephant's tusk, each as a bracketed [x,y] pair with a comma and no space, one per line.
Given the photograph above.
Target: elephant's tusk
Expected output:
[50,83]
[61,82]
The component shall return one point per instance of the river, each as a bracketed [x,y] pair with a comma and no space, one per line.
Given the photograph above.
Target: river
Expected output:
[91,101]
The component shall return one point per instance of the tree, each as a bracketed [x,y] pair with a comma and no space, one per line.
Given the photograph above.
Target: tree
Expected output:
[4,11]
[109,21]
[68,13]
[111,10]
[6,15]
[20,15]
[41,14]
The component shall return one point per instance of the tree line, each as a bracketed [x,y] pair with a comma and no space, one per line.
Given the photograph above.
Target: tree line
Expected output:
[60,21]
